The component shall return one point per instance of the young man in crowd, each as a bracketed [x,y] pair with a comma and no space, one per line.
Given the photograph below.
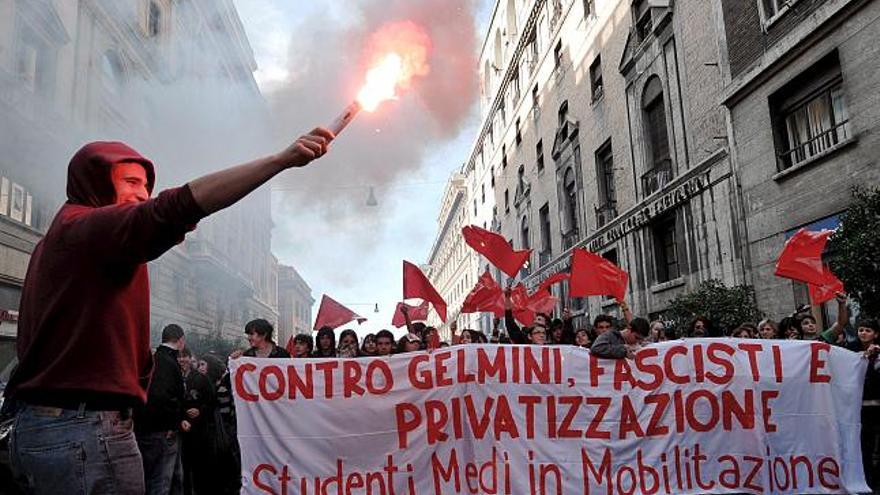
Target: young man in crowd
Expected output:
[615,344]
[159,423]
[603,324]
[384,343]
[84,320]
[302,345]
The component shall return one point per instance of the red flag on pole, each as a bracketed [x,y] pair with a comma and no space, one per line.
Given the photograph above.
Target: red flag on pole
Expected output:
[826,291]
[801,258]
[542,302]
[496,249]
[593,275]
[416,313]
[416,284]
[289,346]
[519,299]
[485,296]
[552,280]
[332,314]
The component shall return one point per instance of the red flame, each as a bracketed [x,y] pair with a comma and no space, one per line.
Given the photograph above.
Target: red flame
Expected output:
[398,52]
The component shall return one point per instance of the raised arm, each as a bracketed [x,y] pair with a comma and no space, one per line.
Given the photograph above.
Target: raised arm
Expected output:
[218,190]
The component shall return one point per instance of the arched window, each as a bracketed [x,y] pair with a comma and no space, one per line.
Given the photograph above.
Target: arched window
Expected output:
[521,178]
[498,48]
[524,234]
[487,81]
[563,112]
[656,132]
[570,201]
[511,18]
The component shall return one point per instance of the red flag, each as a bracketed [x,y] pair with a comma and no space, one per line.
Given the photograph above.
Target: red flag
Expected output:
[416,313]
[542,302]
[332,314]
[519,299]
[553,279]
[496,249]
[827,290]
[801,258]
[593,275]
[485,296]
[416,284]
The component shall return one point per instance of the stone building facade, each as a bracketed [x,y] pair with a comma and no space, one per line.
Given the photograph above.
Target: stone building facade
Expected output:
[602,129]
[295,303]
[451,263]
[801,85]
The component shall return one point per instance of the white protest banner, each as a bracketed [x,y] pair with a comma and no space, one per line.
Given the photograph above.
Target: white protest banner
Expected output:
[695,416]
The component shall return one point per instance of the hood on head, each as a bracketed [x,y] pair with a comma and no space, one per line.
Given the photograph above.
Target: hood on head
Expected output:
[89,181]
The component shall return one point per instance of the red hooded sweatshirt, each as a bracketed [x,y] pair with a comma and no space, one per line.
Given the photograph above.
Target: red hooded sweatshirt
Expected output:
[84,320]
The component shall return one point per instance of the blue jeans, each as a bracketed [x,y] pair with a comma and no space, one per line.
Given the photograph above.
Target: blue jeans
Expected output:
[161,454]
[69,451]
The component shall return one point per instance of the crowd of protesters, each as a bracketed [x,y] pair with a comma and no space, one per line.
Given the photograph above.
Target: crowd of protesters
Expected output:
[94,407]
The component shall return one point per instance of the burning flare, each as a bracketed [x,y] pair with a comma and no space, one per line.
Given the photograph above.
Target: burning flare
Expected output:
[398,53]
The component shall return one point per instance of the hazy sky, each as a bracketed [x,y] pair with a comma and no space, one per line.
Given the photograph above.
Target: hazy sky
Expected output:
[345,249]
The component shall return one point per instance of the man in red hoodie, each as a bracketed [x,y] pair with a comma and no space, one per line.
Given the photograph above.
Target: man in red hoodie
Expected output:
[84,329]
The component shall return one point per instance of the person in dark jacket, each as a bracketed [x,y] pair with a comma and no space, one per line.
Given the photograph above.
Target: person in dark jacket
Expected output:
[84,320]
[868,331]
[325,343]
[198,404]
[616,344]
[259,333]
[303,345]
[158,424]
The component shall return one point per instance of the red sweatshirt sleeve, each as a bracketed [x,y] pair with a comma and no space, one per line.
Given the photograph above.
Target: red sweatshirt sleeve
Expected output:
[134,233]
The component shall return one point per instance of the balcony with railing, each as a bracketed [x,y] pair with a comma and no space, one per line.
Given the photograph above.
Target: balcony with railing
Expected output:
[656,178]
[216,266]
[605,213]
[821,143]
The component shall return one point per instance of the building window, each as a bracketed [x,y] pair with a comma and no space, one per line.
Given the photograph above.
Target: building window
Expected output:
[503,156]
[493,179]
[511,18]
[665,252]
[154,20]
[502,113]
[810,114]
[506,201]
[596,87]
[773,9]
[607,208]
[656,136]
[557,56]
[643,20]
[475,207]
[518,138]
[546,243]
[4,196]
[588,8]
[562,114]
[516,91]
[539,153]
[483,193]
[570,202]
[521,179]
[536,109]
[524,233]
